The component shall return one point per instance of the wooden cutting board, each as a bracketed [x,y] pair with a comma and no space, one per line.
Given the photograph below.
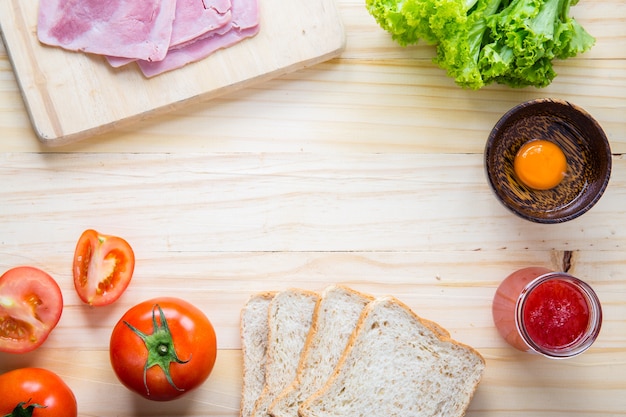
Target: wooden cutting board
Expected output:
[71,96]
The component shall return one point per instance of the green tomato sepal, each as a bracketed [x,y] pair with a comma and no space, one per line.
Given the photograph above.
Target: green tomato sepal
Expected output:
[160,346]
[23,410]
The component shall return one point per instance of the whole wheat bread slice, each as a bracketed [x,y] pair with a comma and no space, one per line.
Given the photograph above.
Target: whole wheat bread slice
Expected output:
[398,365]
[335,318]
[254,333]
[289,322]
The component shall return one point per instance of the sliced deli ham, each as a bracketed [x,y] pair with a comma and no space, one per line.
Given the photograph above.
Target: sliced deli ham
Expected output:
[196,51]
[194,18]
[160,35]
[244,24]
[124,28]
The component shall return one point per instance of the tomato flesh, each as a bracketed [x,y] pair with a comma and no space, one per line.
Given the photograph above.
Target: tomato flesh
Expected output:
[192,351]
[41,388]
[31,304]
[103,267]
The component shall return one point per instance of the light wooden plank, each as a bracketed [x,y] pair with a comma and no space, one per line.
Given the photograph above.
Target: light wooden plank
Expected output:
[572,388]
[376,97]
[367,171]
[453,288]
[215,227]
[284,202]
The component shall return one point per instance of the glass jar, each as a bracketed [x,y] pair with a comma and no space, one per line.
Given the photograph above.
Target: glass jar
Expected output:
[551,313]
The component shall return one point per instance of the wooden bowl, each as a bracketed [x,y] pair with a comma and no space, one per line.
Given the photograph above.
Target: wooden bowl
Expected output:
[579,136]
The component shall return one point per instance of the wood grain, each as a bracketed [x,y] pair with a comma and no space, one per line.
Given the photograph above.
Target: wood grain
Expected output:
[71,96]
[397,97]
[213,228]
[365,170]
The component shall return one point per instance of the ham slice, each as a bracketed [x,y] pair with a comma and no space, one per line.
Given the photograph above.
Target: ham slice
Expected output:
[244,24]
[124,28]
[196,51]
[194,18]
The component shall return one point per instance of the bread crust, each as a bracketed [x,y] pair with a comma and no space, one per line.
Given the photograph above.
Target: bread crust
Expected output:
[306,409]
[427,353]
[287,402]
[253,379]
[275,383]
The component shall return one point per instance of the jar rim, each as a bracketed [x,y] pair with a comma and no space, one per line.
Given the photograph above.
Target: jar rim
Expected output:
[593,326]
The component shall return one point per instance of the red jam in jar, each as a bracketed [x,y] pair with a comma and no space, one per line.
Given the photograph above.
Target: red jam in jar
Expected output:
[551,313]
[556,314]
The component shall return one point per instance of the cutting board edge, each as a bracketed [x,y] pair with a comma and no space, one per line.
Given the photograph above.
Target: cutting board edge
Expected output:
[54,141]
[52,132]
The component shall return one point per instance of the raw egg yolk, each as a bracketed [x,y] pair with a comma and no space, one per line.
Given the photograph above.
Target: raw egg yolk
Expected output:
[540,164]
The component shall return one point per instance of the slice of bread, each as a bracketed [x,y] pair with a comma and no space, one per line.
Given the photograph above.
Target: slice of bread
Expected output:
[335,318]
[397,365]
[254,329]
[289,322]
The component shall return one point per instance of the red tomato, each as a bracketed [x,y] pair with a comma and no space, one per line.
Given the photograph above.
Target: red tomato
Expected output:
[103,267]
[163,348]
[30,307]
[39,392]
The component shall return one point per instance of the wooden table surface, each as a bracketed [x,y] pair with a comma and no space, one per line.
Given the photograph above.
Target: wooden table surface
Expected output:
[366,170]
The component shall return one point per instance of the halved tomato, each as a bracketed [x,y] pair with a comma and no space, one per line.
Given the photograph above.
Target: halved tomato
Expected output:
[103,267]
[30,307]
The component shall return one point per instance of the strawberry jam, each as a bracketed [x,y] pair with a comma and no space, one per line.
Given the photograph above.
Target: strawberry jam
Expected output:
[551,313]
[556,314]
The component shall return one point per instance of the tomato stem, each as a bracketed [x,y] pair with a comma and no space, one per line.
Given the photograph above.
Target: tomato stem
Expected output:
[23,410]
[163,350]
[160,345]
